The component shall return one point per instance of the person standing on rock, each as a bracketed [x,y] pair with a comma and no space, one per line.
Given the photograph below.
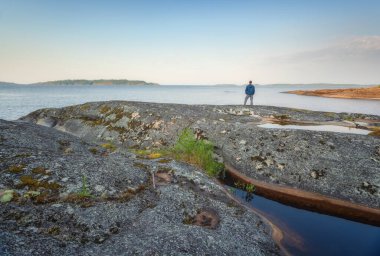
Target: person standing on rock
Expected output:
[249,92]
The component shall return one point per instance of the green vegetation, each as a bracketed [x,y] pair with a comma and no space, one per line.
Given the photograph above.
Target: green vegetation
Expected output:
[6,196]
[16,168]
[34,184]
[197,152]
[250,188]
[84,192]
[281,117]
[110,146]
[93,150]
[188,149]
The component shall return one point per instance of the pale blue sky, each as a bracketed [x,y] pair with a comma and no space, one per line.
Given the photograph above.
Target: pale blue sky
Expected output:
[191,41]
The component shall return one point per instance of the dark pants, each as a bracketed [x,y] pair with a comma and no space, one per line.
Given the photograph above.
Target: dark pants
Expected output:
[246,98]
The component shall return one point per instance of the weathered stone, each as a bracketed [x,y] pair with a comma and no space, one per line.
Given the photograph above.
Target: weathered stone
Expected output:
[71,216]
[342,155]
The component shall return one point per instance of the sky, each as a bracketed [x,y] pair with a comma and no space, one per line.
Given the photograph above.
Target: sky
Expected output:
[186,42]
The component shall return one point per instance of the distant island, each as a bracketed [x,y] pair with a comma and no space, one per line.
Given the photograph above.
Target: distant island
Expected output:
[88,82]
[370,93]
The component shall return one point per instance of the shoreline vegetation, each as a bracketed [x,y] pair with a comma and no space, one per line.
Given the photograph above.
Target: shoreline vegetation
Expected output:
[370,93]
[89,82]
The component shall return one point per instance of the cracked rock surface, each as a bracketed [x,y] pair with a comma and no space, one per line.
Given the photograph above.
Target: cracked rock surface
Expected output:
[74,197]
[340,165]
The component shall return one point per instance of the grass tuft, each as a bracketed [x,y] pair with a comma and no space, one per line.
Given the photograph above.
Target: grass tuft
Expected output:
[197,152]
[84,192]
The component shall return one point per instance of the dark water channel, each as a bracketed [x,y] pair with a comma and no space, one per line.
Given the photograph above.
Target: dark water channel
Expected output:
[310,233]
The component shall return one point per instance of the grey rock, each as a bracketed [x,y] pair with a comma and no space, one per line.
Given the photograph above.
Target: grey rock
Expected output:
[341,161]
[136,220]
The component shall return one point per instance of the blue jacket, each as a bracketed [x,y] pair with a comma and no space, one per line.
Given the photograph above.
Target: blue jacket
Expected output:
[250,89]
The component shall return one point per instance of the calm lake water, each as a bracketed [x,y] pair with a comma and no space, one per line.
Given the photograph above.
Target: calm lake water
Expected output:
[17,101]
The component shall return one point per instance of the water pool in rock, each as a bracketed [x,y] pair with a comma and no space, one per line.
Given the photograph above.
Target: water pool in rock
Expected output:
[326,128]
[311,233]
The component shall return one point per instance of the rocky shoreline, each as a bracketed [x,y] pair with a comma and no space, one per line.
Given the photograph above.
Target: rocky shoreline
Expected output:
[94,140]
[371,93]
[340,165]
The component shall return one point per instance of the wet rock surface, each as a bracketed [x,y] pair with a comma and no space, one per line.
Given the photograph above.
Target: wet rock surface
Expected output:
[332,164]
[73,197]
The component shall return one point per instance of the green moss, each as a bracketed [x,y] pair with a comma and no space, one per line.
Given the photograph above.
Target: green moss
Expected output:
[84,107]
[188,220]
[133,124]
[140,165]
[16,168]
[64,143]
[31,194]
[281,117]
[44,198]
[109,146]
[142,152]
[40,170]
[93,150]
[165,160]
[54,231]
[117,129]
[34,184]
[104,109]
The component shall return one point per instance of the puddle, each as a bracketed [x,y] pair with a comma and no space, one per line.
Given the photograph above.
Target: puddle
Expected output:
[310,233]
[325,128]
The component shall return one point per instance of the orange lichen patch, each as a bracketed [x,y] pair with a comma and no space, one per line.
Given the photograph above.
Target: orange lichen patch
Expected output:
[205,217]
[375,132]
[154,155]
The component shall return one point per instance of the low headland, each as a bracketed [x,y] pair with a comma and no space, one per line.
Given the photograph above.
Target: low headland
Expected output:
[88,82]
[370,93]
[122,177]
